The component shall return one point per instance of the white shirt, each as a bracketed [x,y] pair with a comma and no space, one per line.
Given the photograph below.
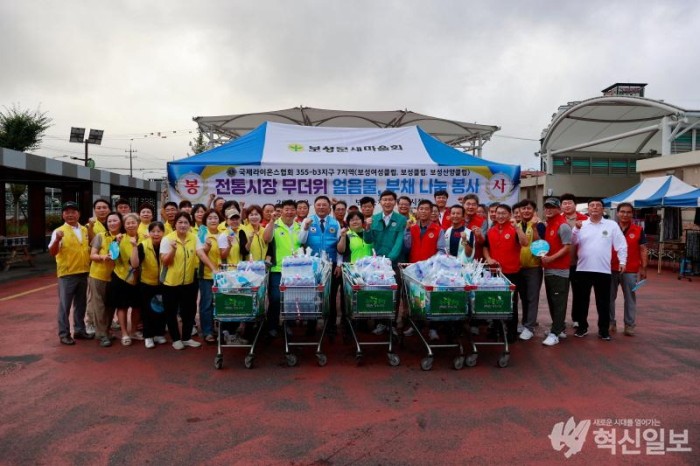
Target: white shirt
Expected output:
[595,242]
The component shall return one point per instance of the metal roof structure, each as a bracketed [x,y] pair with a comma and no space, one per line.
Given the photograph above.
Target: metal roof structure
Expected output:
[469,137]
[618,124]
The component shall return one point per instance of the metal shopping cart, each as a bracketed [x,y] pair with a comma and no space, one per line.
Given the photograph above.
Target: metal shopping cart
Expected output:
[495,303]
[299,303]
[238,305]
[364,302]
[437,304]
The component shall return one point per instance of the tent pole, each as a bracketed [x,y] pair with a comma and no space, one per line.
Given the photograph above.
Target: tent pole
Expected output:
[661,242]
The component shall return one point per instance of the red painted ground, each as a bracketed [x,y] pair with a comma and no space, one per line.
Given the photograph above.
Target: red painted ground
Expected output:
[88,405]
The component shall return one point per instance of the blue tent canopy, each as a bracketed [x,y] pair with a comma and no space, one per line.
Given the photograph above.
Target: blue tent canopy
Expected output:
[651,192]
[689,199]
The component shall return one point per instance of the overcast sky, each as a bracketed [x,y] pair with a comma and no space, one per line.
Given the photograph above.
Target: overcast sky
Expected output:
[138,67]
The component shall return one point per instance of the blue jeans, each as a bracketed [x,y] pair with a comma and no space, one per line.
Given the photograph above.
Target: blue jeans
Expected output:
[273,310]
[206,306]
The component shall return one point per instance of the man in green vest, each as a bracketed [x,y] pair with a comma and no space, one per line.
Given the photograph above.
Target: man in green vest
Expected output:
[285,236]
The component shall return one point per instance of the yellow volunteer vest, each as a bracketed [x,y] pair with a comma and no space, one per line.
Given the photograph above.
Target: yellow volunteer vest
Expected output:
[258,246]
[527,260]
[234,254]
[181,271]
[285,243]
[98,228]
[73,256]
[214,255]
[122,266]
[103,270]
[150,271]
[143,232]
[168,228]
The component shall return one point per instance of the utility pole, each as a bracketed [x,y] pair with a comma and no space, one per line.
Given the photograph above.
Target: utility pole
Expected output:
[131,153]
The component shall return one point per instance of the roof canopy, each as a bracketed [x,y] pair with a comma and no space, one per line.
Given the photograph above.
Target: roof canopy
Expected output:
[468,136]
[654,192]
[631,125]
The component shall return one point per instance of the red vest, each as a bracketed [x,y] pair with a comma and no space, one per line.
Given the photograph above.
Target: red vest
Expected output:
[504,247]
[633,235]
[424,247]
[476,221]
[551,235]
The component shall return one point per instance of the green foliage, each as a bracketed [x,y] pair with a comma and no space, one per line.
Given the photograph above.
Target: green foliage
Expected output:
[198,145]
[22,130]
[53,221]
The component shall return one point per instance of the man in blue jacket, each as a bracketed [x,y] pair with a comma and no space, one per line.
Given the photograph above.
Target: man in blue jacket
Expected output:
[323,234]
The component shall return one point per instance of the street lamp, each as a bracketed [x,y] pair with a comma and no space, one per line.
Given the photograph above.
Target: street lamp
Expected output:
[95,137]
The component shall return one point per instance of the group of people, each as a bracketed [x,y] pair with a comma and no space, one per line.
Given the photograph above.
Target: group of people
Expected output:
[161,272]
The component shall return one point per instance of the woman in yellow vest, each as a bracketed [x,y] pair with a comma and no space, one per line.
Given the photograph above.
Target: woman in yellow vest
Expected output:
[100,278]
[146,215]
[237,238]
[212,248]
[178,263]
[125,293]
[146,258]
[352,244]
[256,245]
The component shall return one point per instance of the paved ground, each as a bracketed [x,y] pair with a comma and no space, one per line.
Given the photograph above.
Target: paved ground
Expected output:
[88,405]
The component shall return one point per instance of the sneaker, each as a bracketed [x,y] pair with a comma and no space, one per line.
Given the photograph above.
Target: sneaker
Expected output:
[526,334]
[551,340]
[562,335]
[137,336]
[105,342]
[194,330]
[83,335]
[613,328]
[192,343]
[237,340]
[408,332]
[67,340]
[90,329]
[379,329]
[575,324]
[395,331]
[629,331]
[160,340]
[520,328]
[604,337]
[433,335]
[178,345]
[474,330]
[115,325]
[149,343]
[580,333]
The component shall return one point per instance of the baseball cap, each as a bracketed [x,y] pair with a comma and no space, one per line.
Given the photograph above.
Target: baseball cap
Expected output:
[552,202]
[70,205]
[232,212]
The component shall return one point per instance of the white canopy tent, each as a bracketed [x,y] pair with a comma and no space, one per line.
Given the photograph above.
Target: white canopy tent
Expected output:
[468,137]
[654,192]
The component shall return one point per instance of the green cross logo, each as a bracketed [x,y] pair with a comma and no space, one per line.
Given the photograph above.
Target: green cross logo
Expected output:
[295,147]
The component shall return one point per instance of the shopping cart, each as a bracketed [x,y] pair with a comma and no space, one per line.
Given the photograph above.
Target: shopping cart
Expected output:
[300,303]
[364,302]
[494,303]
[238,305]
[437,304]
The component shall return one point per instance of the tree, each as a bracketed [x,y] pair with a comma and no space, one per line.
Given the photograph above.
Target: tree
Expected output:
[21,130]
[197,144]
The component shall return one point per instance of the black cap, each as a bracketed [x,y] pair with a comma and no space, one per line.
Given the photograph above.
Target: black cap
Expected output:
[70,205]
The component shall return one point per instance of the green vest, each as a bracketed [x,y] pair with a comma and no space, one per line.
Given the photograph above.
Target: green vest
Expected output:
[358,247]
[285,243]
